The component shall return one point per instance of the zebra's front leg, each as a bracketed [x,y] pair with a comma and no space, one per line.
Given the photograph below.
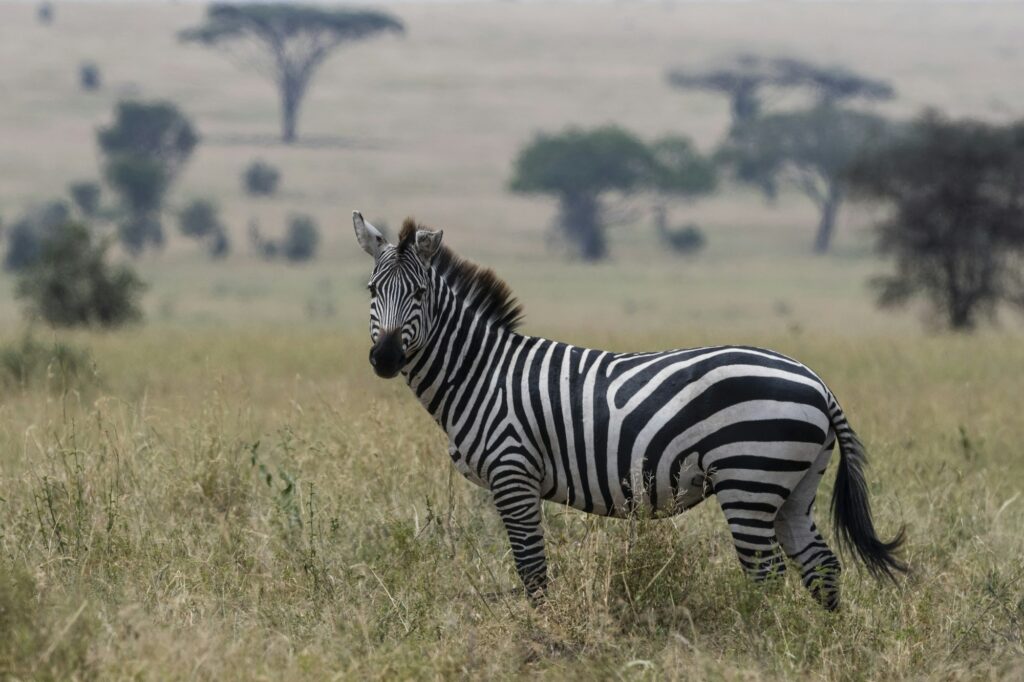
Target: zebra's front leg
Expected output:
[517,497]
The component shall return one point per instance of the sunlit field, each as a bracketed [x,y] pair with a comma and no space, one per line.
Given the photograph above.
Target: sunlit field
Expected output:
[227,492]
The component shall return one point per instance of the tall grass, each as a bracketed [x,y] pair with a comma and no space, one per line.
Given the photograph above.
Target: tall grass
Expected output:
[255,505]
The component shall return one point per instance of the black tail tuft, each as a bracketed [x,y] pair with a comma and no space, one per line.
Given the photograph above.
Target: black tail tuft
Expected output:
[851,511]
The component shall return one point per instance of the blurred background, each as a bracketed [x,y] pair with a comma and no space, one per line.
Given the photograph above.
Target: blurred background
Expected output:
[634,165]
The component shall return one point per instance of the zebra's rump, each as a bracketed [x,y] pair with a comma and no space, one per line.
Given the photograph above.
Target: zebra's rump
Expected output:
[658,430]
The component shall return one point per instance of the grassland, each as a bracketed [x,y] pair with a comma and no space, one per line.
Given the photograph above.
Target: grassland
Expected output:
[228,493]
[258,506]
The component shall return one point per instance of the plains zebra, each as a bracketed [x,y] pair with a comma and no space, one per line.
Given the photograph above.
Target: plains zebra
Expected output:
[612,433]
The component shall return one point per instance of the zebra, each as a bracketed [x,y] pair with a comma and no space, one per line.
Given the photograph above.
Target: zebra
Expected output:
[616,434]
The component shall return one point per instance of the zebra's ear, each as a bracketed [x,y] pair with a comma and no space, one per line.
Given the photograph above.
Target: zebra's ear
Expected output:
[369,236]
[428,243]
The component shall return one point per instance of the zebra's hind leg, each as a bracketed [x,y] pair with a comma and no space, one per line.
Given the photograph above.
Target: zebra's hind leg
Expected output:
[795,528]
[753,535]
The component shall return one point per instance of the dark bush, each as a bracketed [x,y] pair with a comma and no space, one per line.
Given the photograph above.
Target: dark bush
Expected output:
[44,13]
[157,131]
[71,284]
[200,219]
[261,179]
[25,236]
[86,195]
[219,245]
[89,76]
[301,240]
[686,239]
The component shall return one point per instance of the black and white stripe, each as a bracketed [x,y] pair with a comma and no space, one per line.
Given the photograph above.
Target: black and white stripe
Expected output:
[613,433]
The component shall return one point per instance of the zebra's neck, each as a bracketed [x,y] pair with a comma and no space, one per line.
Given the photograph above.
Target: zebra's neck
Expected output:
[462,352]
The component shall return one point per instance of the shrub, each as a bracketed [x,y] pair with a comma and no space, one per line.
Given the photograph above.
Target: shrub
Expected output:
[72,284]
[89,76]
[219,245]
[200,219]
[302,239]
[25,236]
[86,195]
[44,13]
[29,362]
[687,239]
[157,131]
[260,178]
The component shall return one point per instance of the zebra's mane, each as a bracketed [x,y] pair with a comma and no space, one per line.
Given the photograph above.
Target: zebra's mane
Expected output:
[489,295]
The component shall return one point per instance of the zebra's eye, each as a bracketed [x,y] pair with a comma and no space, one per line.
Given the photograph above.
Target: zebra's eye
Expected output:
[418,295]
[373,290]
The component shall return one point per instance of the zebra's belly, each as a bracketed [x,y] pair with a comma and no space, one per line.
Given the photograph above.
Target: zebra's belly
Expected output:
[661,497]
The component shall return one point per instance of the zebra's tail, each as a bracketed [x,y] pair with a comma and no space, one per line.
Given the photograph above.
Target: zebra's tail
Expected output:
[851,511]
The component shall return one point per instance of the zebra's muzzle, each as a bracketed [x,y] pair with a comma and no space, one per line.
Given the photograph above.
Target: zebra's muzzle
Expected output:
[387,356]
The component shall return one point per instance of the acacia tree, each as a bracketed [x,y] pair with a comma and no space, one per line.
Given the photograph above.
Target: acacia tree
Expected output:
[580,167]
[956,232]
[831,84]
[745,79]
[741,82]
[287,43]
[810,150]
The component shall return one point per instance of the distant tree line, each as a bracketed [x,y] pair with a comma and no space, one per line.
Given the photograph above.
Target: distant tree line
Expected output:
[955,188]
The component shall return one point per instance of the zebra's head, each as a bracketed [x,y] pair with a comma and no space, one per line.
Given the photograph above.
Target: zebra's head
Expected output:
[400,292]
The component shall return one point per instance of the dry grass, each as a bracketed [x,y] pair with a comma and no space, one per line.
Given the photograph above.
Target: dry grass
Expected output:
[258,506]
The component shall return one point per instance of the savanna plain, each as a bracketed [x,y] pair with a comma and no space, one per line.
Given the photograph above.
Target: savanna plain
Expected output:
[228,492]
